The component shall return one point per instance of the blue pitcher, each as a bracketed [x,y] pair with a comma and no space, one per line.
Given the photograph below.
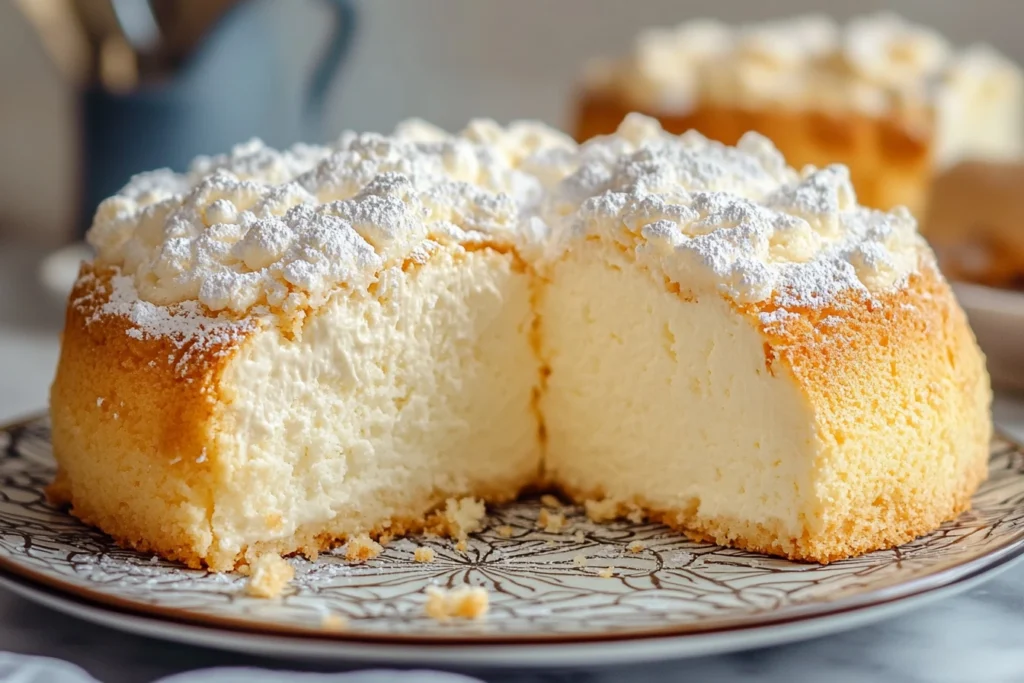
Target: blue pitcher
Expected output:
[227,91]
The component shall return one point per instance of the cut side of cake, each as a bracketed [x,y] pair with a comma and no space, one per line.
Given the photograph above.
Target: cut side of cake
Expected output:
[718,359]
[279,351]
[890,99]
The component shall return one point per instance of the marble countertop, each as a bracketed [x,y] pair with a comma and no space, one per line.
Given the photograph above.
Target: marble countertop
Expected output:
[978,636]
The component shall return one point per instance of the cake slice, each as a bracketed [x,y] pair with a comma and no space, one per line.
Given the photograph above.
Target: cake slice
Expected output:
[259,362]
[891,100]
[749,356]
[277,352]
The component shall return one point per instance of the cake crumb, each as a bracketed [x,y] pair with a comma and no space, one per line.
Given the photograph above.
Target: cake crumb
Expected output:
[465,602]
[636,547]
[423,554]
[362,548]
[636,514]
[459,518]
[461,545]
[579,537]
[551,522]
[550,501]
[384,539]
[333,622]
[607,572]
[580,560]
[601,510]
[269,576]
[505,531]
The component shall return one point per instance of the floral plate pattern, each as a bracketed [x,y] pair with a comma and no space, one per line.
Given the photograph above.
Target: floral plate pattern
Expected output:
[544,587]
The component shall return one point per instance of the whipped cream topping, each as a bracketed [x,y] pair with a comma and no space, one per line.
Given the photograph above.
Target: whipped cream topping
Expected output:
[874,64]
[735,220]
[283,230]
[265,232]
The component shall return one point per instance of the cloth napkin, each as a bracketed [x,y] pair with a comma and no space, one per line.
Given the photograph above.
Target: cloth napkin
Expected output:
[16,668]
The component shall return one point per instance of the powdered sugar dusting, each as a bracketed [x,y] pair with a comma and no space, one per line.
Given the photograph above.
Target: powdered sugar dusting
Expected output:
[260,233]
[187,326]
[732,220]
[874,64]
[283,230]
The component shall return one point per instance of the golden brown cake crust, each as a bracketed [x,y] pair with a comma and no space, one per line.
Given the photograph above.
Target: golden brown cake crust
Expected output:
[906,356]
[138,414]
[128,415]
[890,160]
[133,414]
[903,402]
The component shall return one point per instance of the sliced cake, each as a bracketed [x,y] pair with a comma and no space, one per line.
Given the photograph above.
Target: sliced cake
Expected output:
[748,354]
[279,351]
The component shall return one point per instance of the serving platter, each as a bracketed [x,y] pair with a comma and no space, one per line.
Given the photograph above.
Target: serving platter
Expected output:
[551,600]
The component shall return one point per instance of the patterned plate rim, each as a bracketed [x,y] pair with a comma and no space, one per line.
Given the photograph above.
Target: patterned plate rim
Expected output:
[999,557]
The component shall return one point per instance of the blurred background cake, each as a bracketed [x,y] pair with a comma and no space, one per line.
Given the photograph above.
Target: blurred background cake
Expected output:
[891,99]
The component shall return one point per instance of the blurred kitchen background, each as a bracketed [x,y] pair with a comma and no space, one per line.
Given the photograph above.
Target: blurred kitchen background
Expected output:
[290,70]
[442,60]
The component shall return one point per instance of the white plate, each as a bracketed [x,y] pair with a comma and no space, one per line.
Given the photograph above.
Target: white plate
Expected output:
[997,318]
[672,599]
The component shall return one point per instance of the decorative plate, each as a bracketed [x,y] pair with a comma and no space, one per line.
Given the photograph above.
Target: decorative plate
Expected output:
[549,592]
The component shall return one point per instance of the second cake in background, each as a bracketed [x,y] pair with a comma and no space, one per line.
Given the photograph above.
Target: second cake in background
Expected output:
[892,100]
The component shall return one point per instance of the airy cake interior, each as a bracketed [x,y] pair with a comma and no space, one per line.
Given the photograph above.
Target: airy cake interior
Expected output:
[382,406]
[665,400]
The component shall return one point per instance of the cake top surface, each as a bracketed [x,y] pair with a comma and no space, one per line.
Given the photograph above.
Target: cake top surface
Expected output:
[736,220]
[873,64]
[261,232]
[283,230]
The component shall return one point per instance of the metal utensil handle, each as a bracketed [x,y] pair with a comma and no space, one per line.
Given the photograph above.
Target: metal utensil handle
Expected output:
[328,66]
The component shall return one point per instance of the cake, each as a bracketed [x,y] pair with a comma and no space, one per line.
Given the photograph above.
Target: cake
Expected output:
[279,351]
[890,99]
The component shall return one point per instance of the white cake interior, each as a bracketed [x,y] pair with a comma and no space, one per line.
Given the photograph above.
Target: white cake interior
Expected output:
[383,407]
[667,402]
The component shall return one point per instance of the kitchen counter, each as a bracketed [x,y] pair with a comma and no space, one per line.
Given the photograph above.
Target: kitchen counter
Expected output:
[978,636]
